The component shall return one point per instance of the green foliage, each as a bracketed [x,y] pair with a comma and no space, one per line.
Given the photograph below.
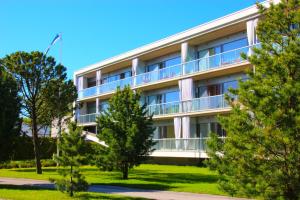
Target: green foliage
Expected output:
[23,148]
[261,154]
[26,164]
[33,72]
[72,146]
[127,130]
[9,114]
[58,100]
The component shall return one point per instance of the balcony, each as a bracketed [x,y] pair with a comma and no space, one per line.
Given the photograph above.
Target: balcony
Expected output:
[200,65]
[178,107]
[87,119]
[182,145]
[194,105]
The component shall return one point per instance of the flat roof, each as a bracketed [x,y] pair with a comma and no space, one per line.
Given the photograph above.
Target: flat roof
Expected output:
[241,15]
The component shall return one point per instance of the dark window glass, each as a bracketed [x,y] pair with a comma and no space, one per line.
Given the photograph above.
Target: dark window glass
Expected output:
[91,107]
[91,82]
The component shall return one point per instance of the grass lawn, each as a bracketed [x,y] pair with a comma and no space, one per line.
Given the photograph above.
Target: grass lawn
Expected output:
[162,177]
[30,193]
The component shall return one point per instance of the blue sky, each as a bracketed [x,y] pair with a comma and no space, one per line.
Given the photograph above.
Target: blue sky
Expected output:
[97,29]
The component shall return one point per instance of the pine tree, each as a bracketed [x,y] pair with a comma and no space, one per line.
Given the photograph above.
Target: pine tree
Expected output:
[72,146]
[10,122]
[127,130]
[261,155]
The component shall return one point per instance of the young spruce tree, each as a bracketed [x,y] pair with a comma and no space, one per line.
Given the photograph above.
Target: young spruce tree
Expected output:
[261,155]
[72,145]
[127,130]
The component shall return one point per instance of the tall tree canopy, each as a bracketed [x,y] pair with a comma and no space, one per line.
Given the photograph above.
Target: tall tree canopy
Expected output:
[261,155]
[58,102]
[9,114]
[33,72]
[127,130]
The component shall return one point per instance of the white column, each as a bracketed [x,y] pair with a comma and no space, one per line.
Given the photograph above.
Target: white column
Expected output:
[136,68]
[98,81]
[80,83]
[97,105]
[188,53]
[177,130]
[186,130]
[251,33]
[186,90]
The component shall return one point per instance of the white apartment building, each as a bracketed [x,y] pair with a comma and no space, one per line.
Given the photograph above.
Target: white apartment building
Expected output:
[182,78]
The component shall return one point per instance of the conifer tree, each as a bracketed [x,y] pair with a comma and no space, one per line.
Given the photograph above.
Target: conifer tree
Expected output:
[127,130]
[72,145]
[261,155]
[10,122]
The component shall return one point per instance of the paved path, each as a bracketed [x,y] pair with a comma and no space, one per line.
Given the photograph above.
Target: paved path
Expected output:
[132,192]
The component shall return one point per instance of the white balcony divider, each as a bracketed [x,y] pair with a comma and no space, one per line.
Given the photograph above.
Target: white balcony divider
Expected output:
[181,144]
[203,64]
[196,104]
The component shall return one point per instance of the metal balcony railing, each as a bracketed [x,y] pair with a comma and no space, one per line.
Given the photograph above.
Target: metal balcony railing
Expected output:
[199,65]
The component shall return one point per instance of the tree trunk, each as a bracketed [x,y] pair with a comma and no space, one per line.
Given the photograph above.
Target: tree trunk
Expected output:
[71,189]
[125,170]
[58,138]
[36,144]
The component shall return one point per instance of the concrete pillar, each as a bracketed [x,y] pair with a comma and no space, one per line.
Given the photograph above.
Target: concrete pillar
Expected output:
[137,67]
[188,53]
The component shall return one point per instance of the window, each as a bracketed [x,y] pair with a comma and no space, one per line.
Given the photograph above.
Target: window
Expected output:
[164,64]
[91,82]
[163,98]
[91,107]
[173,61]
[166,131]
[216,128]
[210,90]
[116,77]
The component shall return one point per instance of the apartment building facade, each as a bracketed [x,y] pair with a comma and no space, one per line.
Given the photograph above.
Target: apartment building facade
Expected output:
[182,78]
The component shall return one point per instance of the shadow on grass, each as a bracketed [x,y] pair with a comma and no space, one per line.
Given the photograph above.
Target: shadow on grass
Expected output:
[33,170]
[167,178]
[84,196]
[23,187]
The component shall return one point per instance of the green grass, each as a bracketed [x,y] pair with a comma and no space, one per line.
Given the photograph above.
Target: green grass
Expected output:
[30,193]
[161,177]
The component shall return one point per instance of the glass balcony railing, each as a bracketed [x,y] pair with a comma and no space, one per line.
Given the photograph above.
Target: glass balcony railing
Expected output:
[215,61]
[200,65]
[197,104]
[194,105]
[104,88]
[88,118]
[157,75]
[181,144]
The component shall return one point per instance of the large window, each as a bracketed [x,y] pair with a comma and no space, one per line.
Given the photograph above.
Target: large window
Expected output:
[215,89]
[204,129]
[163,98]
[116,77]
[91,107]
[163,64]
[91,82]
